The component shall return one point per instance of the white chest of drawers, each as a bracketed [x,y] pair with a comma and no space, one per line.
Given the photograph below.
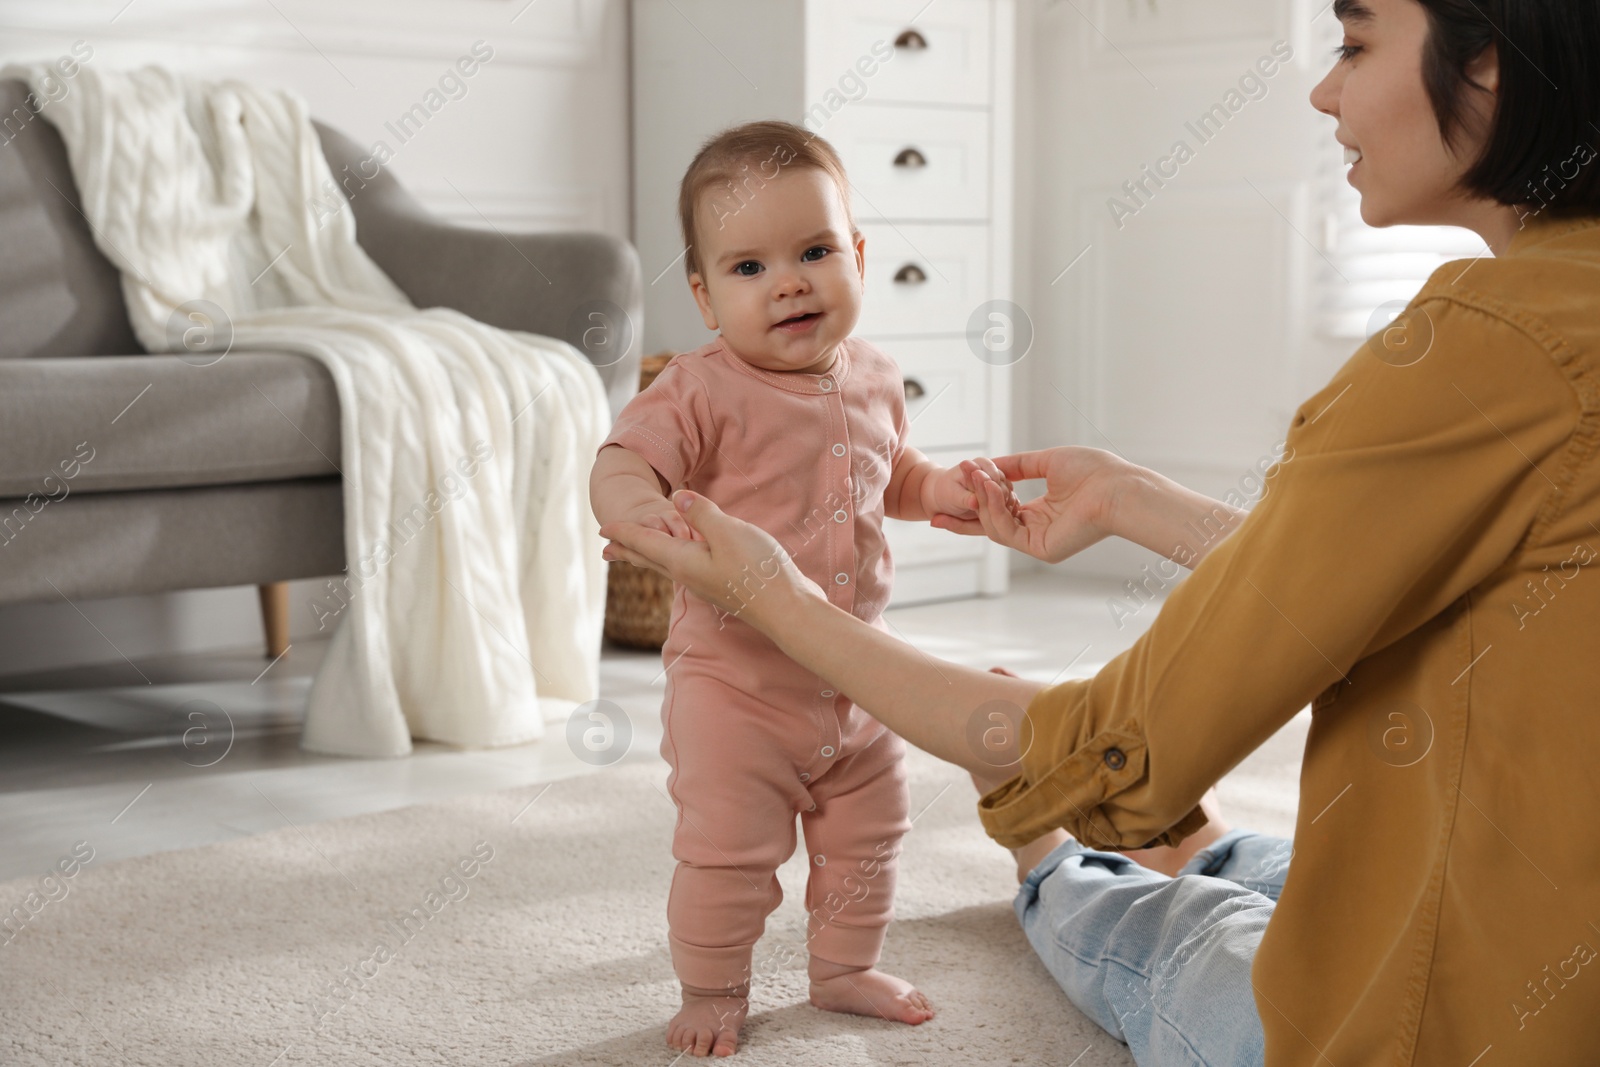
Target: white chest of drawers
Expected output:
[917,97]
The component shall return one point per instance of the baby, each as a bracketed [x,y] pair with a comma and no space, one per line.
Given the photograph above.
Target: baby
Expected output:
[788,422]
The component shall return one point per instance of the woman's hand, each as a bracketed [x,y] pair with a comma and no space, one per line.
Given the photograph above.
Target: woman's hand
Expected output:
[1077,509]
[737,567]
[1089,495]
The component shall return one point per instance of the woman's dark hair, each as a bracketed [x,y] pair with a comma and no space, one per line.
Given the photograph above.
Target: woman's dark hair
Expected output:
[1541,149]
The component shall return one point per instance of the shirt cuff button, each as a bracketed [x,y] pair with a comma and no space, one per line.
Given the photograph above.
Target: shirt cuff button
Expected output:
[1116,759]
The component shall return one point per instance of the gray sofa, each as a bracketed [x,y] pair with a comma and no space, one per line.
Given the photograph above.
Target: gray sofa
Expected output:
[219,475]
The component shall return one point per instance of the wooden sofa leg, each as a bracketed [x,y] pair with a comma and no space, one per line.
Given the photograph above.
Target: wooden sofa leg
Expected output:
[275,617]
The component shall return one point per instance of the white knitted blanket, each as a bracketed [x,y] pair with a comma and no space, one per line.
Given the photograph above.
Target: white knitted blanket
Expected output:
[485,622]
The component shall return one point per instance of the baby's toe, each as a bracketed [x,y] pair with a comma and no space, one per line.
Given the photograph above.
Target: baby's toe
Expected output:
[702,1042]
[727,1044]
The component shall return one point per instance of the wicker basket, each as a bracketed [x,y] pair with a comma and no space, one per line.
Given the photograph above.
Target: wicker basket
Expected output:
[639,601]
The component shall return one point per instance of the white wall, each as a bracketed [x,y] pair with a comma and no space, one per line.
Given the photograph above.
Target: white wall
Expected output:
[1183,338]
[539,141]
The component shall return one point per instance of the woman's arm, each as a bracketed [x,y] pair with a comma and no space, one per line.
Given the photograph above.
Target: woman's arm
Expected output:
[1159,514]
[968,717]
[957,713]
[965,716]
[1091,494]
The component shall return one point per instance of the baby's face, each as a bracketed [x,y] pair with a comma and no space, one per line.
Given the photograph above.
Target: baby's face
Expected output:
[780,274]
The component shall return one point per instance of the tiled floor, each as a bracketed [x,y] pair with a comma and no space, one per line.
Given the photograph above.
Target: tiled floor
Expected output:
[208,750]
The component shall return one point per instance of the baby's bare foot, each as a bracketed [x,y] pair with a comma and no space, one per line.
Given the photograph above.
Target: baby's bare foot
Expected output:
[867,991]
[709,1022]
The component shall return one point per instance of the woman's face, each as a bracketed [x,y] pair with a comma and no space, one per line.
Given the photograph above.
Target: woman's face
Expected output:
[1402,169]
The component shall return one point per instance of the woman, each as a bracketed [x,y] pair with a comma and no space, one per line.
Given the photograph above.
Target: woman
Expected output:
[1416,573]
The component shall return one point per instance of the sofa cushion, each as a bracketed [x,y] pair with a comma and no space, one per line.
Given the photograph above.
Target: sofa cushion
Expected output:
[123,544]
[112,423]
[59,296]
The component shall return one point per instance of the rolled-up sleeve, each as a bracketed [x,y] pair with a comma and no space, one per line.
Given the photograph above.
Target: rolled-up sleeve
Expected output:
[1401,488]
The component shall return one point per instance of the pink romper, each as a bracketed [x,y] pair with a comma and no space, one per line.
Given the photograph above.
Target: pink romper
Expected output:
[752,737]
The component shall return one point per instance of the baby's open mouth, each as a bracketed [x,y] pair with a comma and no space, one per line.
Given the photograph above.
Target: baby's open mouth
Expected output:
[799,320]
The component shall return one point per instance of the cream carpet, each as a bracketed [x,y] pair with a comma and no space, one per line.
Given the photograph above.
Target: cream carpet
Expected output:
[552,952]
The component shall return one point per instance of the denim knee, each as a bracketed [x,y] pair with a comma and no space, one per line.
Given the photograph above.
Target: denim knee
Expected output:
[1258,862]
[1160,963]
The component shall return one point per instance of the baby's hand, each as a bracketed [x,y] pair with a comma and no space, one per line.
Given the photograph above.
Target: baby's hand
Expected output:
[987,467]
[953,491]
[660,515]
[949,492]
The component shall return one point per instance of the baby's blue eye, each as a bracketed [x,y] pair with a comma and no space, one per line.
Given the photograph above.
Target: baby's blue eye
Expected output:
[809,258]
[755,268]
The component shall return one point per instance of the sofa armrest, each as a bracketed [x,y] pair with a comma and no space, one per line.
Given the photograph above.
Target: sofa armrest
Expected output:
[582,288]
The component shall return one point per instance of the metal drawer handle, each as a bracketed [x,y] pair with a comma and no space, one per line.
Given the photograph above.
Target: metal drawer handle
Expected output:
[914,389]
[910,157]
[910,274]
[912,40]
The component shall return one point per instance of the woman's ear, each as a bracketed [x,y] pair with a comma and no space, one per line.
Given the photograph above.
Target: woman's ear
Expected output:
[1484,71]
[1483,74]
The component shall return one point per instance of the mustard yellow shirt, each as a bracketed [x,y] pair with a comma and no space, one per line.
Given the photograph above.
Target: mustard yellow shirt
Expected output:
[1424,570]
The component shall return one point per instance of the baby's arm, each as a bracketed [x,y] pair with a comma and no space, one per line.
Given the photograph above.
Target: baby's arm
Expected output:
[623,487]
[920,489]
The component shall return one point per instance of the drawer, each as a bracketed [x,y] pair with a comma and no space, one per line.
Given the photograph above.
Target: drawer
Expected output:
[914,544]
[941,58]
[918,164]
[951,405]
[923,279]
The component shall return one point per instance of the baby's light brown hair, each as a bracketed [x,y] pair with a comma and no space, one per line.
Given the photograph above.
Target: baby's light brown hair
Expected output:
[740,160]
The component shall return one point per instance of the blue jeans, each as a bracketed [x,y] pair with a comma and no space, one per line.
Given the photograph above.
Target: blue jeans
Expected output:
[1160,963]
